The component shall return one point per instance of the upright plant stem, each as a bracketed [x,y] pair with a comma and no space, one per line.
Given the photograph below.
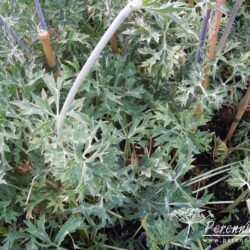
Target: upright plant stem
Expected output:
[40,15]
[133,5]
[211,52]
[236,202]
[241,110]
[246,99]
[203,32]
[228,28]
[13,34]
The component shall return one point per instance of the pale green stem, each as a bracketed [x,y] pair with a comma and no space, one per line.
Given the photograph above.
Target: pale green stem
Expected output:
[229,26]
[236,202]
[110,247]
[200,245]
[132,5]
[234,240]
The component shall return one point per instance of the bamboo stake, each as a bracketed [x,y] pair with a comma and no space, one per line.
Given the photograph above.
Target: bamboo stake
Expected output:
[211,52]
[241,110]
[44,37]
[246,99]
[50,56]
[49,53]
[114,39]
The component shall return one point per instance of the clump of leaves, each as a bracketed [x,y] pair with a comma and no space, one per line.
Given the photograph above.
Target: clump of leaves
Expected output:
[239,176]
[128,145]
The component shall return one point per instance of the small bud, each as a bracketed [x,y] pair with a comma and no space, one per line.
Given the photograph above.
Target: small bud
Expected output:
[90,10]
[106,14]
[135,4]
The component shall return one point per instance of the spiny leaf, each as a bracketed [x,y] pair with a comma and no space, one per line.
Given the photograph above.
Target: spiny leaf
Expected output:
[70,226]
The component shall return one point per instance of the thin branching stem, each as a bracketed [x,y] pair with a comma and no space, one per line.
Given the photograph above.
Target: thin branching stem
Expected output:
[236,202]
[40,15]
[229,26]
[13,35]
[93,58]
[202,35]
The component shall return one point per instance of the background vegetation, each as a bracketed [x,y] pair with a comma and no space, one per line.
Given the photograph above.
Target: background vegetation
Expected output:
[134,168]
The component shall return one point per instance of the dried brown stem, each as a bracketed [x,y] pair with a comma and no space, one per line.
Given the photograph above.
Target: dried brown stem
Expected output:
[213,32]
[241,110]
[114,44]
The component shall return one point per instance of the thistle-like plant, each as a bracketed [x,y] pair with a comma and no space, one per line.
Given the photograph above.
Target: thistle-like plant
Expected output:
[128,156]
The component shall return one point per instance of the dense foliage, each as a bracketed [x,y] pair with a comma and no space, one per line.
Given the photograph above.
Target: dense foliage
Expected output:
[121,175]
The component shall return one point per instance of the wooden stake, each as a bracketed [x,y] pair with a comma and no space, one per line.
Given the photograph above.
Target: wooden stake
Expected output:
[241,110]
[45,40]
[211,51]
[213,32]
[49,53]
